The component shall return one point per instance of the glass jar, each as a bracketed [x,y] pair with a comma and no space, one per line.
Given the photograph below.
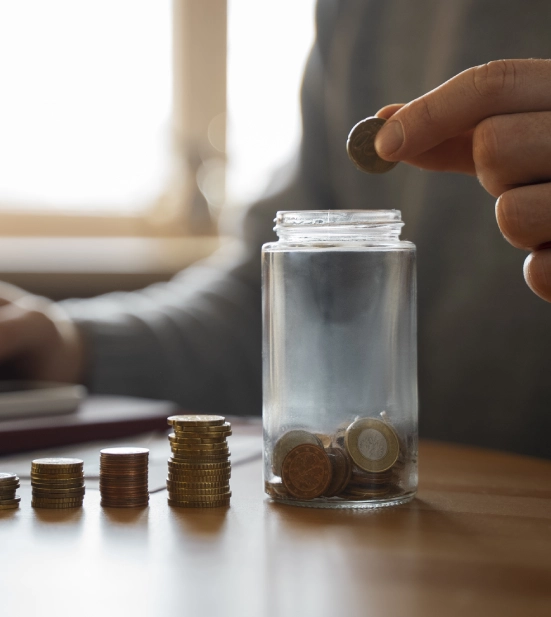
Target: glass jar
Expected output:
[340,360]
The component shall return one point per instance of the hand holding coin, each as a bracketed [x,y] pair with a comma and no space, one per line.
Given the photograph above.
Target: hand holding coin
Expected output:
[492,121]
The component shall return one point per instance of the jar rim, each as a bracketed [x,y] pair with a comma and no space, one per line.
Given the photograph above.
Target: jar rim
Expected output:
[337,218]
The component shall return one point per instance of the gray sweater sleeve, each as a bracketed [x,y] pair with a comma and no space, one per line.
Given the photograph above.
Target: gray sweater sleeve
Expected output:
[195,340]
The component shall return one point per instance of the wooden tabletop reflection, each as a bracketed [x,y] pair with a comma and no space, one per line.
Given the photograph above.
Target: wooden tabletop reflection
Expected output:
[476,541]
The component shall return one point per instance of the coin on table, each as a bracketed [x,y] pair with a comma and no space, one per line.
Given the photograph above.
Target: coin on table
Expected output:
[57,466]
[196,420]
[361,147]
[8,478]
[372,444]
[287,442]
[306,471]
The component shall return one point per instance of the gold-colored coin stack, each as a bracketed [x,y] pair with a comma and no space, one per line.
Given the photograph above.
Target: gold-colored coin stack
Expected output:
[9,483]
[57,483]
[123,477]
[199,469]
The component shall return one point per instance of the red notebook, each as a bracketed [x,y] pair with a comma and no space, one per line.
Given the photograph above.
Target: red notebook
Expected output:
[98,417]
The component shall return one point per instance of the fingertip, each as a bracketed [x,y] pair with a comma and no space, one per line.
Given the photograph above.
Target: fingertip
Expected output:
[388,111]
[537,273]
[389,139]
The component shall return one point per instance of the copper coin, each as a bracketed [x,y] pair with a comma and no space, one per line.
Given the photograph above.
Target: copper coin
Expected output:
[199,504]
[186,429]
[288,441]
[341,471]
[361,147]
[306,471]
[203,467]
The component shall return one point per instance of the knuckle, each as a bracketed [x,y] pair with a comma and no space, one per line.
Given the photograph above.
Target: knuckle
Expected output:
[494,78]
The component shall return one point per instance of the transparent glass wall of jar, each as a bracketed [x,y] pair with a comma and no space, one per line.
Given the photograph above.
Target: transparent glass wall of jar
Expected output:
[340,360]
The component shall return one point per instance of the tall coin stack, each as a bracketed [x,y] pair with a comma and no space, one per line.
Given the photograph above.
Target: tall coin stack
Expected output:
[123,477]
[9,483]
[199,469]
[57,483]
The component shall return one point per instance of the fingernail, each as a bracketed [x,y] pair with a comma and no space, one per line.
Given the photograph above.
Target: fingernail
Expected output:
[389,139]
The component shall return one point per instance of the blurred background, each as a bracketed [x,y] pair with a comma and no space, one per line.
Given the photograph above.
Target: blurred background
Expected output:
[129,127]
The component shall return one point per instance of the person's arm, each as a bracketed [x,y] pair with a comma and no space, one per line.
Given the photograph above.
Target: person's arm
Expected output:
[492,121]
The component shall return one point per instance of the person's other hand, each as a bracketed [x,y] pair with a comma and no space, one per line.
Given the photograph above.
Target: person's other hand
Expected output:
[492,121]
[37,340]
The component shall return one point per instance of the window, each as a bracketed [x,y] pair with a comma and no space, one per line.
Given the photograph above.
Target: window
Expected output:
[113,112]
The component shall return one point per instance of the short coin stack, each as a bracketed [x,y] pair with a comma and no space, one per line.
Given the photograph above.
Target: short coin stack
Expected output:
[123,477]
[57,483]
[199,469]
[9,483]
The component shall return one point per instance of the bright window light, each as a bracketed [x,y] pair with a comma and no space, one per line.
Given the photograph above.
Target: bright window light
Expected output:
[85,100]
[268,43]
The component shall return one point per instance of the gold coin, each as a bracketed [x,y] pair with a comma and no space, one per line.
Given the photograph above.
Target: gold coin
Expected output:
[203,458]
[199,504]
[288,441]
[196,420]
[57,485]
[198,484]
[180,429]
[202,467]
[372,444]
[8,478]
[306,471]
[196,440]
[55,505]
[9,489]
[56,465]
[56,477]
[197,478]
[178,488]
[12,507]
[206,498]
[10,502]
[183,445]
[68,492]
[105,503]
[361,147]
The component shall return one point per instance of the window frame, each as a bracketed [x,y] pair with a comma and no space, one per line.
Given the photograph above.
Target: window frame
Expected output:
[199,30]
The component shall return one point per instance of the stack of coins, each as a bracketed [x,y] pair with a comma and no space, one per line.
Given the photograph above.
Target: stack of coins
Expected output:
[123,477]
[57,483]
[9,483]
[199,469]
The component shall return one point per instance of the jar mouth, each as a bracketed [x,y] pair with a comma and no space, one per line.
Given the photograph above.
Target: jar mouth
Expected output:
[330,225]
[337,218]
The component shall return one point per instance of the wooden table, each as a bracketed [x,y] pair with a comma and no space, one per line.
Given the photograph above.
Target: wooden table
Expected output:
[477,541]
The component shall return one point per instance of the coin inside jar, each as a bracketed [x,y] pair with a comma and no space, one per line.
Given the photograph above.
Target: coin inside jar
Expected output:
[361,147]
[306,471]
[288,441]
[341,471]
[372,444]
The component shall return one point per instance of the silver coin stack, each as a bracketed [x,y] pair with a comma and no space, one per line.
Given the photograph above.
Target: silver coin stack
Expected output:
[9,483]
